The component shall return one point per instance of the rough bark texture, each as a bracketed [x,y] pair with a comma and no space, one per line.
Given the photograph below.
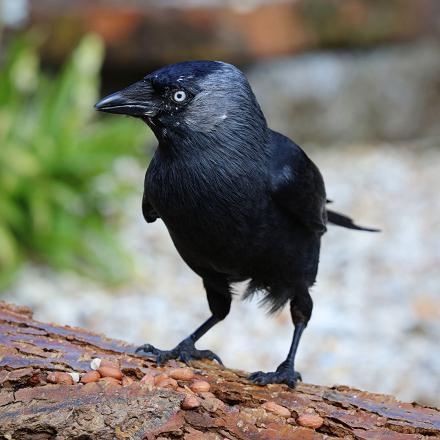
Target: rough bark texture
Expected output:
[30,408]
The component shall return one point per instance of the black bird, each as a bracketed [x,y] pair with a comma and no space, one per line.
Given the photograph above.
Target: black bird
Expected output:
[240,201]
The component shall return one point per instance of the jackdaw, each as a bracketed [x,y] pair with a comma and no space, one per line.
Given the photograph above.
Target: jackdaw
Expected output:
[240,201]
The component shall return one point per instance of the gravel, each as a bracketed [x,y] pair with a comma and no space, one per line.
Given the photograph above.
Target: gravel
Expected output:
[376,321]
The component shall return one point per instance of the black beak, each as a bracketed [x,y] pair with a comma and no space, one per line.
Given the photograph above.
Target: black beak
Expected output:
[135,100]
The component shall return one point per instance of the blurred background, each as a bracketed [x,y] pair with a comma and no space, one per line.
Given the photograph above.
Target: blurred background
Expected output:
[356,83]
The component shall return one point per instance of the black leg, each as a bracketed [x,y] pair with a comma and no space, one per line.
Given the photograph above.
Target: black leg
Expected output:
[301,310]
[219,299]
[207,325]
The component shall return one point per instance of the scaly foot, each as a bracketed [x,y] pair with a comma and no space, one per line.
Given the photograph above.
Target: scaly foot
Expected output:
[185,352]
[284,374]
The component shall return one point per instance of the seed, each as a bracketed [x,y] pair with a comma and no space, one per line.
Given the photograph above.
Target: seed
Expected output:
[110,381]
[127,381]
[116,373]
[181,374]
[310,421]
[167,383]
[190,402]
[107,363]
[90,376]
[160,377]
[276,409]
[60,377]
[200,386]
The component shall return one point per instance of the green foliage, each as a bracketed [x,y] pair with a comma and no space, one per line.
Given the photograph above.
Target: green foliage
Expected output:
[53,152]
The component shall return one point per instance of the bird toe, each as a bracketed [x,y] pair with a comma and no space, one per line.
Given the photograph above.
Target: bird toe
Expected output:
[281,377]
[208,354]
[185,357]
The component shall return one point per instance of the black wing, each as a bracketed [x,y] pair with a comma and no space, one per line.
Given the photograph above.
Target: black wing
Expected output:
[296,184]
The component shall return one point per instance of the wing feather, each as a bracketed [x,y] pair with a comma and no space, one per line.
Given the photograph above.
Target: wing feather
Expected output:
[297,185]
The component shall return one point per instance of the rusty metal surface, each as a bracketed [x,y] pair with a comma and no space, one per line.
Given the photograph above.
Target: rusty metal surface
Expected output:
[30,349]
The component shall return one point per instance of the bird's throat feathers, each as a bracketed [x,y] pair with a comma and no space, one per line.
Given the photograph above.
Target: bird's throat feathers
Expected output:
[190,161]
[235,139]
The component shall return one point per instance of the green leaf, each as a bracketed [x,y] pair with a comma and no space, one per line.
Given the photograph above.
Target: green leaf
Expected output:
[8,249]
[54,152]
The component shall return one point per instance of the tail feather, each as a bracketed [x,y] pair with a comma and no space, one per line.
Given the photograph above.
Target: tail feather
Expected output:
[346,222]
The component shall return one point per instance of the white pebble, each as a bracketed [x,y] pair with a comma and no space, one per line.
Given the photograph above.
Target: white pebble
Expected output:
[74,376]
[95,364]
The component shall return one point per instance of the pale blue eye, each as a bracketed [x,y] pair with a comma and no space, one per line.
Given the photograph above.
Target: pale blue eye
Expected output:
[179,96]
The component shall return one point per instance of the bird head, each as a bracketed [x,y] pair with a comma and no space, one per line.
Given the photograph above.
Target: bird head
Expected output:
[189,98]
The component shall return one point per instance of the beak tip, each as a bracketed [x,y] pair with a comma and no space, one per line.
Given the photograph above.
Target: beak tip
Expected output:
[108,102]
[131,101]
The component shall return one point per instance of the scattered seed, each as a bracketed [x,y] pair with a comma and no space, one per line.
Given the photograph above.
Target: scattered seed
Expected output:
[190,402]
[110,381]
[313,421]
[116,373]
[167,383]
[60,378]
[160,377]
[200,386]
[276,409]
[90,376]
[107,363]
[181,374]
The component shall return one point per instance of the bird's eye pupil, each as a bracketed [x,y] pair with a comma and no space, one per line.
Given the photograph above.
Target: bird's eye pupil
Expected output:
[179,96]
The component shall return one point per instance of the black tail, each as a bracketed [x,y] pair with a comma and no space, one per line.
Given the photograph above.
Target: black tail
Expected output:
[346,222]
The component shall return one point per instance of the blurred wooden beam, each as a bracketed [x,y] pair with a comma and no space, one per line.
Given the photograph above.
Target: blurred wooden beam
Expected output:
[153,32]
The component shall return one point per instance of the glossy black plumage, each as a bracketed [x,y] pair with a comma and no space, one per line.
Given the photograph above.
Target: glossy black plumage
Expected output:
[240,201]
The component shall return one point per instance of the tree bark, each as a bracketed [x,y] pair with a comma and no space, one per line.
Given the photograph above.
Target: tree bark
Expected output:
[32,408]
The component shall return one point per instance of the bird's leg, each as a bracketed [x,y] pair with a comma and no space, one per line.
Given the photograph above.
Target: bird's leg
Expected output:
[301,310]
[219,302]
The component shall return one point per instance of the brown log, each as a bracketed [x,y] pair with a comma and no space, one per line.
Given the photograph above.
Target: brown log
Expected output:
[32,408]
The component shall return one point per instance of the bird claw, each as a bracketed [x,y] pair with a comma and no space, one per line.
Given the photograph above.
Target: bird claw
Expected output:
[146,348]
[185,352]
[282,375]
[208,354]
